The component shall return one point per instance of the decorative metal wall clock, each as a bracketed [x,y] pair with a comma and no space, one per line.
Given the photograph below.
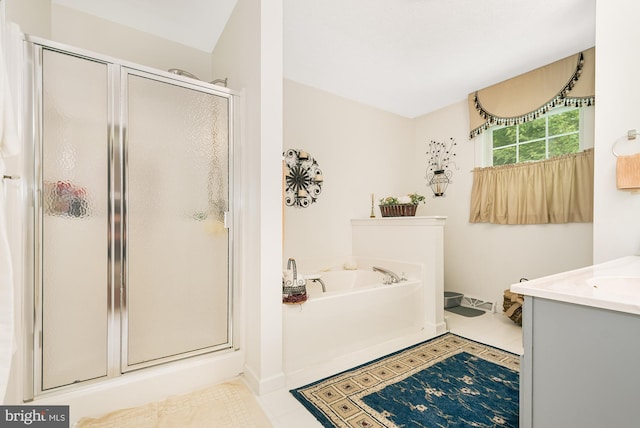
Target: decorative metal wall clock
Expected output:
[303,179]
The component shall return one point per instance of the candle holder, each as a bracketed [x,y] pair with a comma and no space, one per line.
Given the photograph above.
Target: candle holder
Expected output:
[438,181]
[373,214]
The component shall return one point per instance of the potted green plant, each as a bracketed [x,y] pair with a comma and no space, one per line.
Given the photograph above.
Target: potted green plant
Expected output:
[401,206]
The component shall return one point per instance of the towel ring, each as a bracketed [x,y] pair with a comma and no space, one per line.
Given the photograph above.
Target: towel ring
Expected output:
[631,135]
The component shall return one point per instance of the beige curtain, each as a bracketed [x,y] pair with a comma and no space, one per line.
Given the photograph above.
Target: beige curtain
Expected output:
[557,190]
[567,82]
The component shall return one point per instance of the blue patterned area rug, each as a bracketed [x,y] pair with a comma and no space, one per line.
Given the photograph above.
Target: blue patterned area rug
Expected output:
[448,381]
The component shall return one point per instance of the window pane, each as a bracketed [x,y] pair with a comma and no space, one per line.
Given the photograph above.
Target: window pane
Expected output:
[532,130]
[563,145]
[504,136]
[559,131]
[563,123]
[504,156]
[532,151]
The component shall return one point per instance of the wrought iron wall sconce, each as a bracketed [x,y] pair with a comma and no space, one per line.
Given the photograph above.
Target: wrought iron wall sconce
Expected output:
[303,179]
[440,154]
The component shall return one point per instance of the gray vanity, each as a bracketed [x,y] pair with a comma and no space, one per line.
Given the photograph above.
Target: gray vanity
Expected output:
[581,362]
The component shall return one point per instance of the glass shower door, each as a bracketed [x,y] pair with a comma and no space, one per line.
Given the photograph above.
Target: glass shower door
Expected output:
[73,220]
[130,251]
[177,279]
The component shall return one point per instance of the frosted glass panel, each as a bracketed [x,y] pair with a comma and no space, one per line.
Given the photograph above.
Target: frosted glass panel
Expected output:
[74,220]
[176,193]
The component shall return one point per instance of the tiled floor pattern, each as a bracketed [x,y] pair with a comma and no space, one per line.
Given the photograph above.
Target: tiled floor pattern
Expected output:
[285,412]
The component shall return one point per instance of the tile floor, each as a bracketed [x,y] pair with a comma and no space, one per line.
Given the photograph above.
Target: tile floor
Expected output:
[284,411]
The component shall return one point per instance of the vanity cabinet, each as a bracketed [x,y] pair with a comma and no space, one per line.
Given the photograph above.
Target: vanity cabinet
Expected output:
[581,361]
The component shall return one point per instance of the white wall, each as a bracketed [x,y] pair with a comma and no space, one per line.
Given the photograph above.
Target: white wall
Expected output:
[249,52]
[34,16]
[89,32]
[361,150]
[64,25]
[482,260]
[617,214]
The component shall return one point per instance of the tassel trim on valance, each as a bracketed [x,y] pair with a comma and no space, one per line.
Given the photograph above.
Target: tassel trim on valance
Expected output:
[560,99]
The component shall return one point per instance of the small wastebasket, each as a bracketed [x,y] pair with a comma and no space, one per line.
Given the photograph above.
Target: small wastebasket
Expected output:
[452,299]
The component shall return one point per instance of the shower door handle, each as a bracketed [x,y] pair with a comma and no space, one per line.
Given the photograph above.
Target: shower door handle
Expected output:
[227,220]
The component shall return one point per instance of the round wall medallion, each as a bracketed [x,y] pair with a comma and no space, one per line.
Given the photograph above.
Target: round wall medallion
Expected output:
[303,179]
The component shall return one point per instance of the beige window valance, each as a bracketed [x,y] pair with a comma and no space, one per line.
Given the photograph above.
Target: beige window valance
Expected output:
[567,82]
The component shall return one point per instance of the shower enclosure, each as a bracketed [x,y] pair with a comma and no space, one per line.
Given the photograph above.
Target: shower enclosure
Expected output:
[131,241]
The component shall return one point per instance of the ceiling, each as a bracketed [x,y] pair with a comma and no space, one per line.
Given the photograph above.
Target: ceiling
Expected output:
[408,57]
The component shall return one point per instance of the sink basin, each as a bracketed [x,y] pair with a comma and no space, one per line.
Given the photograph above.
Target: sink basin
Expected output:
[613,285]
[616,286]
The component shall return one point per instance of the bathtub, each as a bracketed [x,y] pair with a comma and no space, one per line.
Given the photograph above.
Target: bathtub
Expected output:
[357,311]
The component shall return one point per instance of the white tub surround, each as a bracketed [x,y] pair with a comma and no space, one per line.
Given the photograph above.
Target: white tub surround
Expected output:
[410,239]
[613,285]
[579,366]
[356,312]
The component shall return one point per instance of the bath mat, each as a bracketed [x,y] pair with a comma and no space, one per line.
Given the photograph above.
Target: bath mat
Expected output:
[466,311]
[229,404]
[448,381]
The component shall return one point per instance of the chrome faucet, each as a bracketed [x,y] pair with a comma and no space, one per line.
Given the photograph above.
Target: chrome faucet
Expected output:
[318,279]
[389,277]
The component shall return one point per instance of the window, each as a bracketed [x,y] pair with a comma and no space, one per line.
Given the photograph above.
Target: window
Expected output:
[511,189]
[556,133]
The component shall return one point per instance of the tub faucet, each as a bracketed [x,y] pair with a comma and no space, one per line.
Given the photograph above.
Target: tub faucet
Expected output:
[318,279]
[389,277]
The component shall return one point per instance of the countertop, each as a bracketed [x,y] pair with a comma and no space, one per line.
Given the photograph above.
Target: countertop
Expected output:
[613,285]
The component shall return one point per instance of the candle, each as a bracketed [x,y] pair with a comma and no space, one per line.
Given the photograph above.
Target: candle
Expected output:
[372,215]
